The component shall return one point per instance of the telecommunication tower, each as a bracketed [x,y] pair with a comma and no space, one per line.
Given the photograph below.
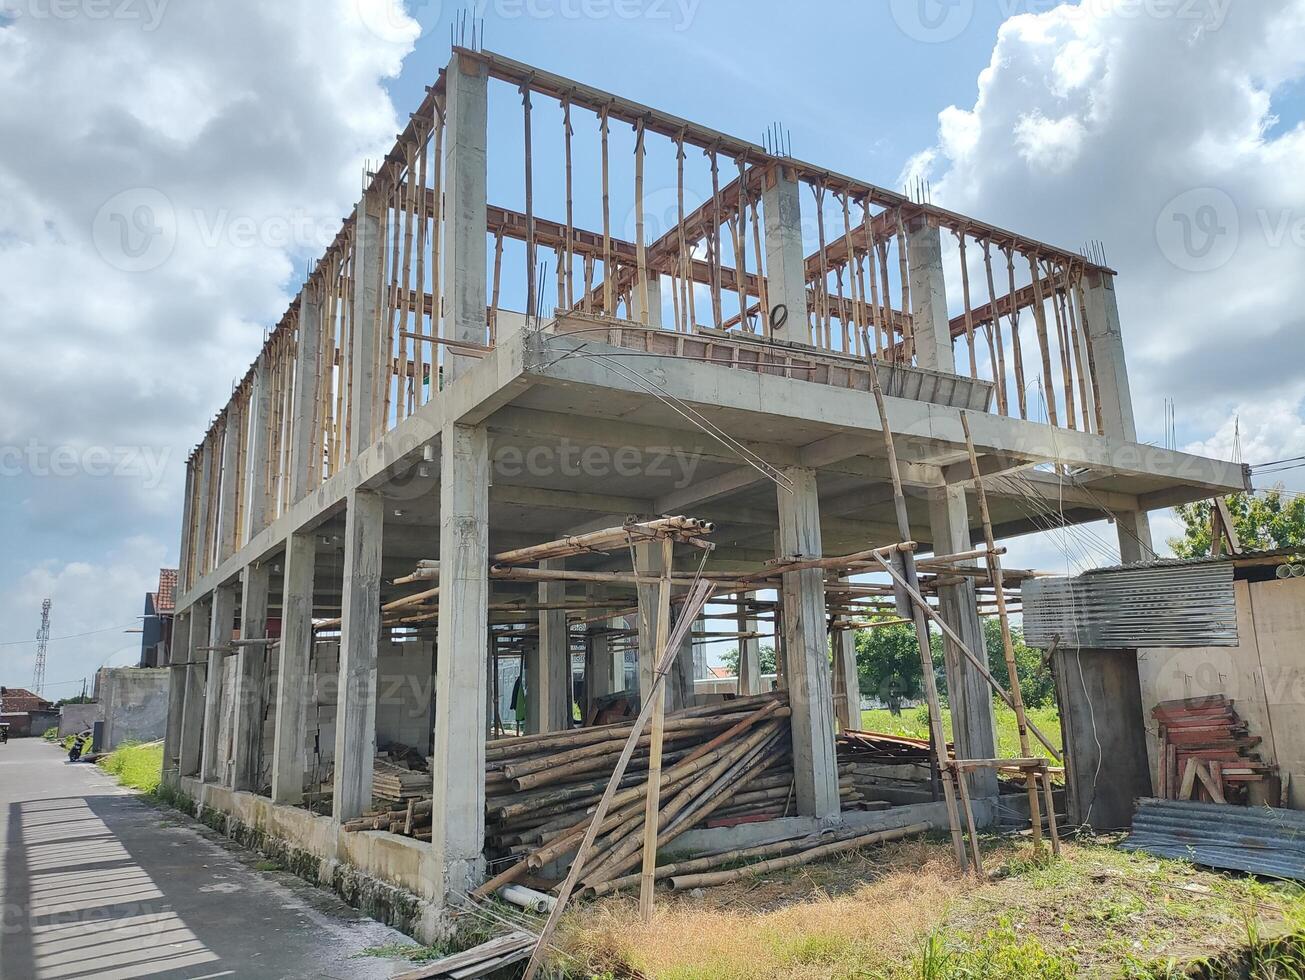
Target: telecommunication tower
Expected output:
[42,639]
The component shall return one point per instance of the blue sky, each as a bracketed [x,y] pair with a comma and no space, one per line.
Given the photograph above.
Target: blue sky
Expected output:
[1065,121]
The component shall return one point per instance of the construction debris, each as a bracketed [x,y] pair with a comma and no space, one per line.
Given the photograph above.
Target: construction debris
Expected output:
[1205,748]
[478,962]
[1256,840]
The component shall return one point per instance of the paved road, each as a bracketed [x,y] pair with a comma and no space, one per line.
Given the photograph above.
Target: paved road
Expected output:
[98,883]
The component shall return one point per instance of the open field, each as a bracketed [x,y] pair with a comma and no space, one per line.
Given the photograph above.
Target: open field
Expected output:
[904,912]
[914,722]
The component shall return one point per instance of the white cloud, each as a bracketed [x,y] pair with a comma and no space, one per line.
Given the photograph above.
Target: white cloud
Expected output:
[165,182]
[1160,137]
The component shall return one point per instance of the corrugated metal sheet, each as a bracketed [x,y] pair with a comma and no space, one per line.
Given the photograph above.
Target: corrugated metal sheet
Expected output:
[1128,609]
[1257,840]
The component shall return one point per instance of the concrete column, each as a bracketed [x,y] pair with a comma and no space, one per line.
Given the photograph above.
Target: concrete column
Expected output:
[786,275]
[1105,335]
[192,711]
[465,172]
[360,637]
[187,521]
[648,559]
[973,727]
[602,675]
[461,675]
[933,332]
[226,514]
[654,301]
[260,406]
[305,452]
[548,683]
[806,646]
[203,529]
[178,656]
[219,643]
[293,683]
[365,408]
[749,653]
[251,679]
[847,684]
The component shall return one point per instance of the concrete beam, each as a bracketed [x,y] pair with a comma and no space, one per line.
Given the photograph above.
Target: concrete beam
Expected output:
[461,671]
[251,681]
[360,628]
[293,688]
[806,651]
[260,406]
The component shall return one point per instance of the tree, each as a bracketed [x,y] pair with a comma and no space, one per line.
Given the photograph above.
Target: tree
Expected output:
[888,665]
[730,658]
[1264,522]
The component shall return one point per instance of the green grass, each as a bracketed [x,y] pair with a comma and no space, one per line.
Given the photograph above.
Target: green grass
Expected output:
[139,766]
[51,734]
[914,723]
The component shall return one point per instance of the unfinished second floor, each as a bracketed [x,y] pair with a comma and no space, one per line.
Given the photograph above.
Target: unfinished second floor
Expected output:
[575,266]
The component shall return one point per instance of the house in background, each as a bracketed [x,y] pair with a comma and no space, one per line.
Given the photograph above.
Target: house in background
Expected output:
[26,713]
[156,627]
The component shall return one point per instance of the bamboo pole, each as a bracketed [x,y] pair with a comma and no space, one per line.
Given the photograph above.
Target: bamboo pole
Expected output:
[969,308]
[1044,346]
[531,256]
[1008,647]
[999,365]
[938,737]
[568,132]
[608,283]
[652,804]
[668,653]
[1016,344]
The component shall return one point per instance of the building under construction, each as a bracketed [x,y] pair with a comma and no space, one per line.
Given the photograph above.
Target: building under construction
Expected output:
[570,358]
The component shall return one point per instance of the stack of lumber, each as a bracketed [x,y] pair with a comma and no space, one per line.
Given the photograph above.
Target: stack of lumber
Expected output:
[1205,748]
[873,747]
[396,783]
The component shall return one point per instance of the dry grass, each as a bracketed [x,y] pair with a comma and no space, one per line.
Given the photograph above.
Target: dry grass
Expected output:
[903,911]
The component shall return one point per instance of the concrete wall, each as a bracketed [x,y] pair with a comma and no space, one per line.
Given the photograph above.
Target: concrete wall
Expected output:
[74,718]
[134,702]
[1263,675]
[404,694]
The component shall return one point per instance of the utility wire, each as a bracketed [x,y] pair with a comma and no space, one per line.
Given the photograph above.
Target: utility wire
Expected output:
[70,636]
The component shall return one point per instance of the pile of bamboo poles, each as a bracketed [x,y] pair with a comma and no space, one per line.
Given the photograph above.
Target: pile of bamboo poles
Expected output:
[541,791]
